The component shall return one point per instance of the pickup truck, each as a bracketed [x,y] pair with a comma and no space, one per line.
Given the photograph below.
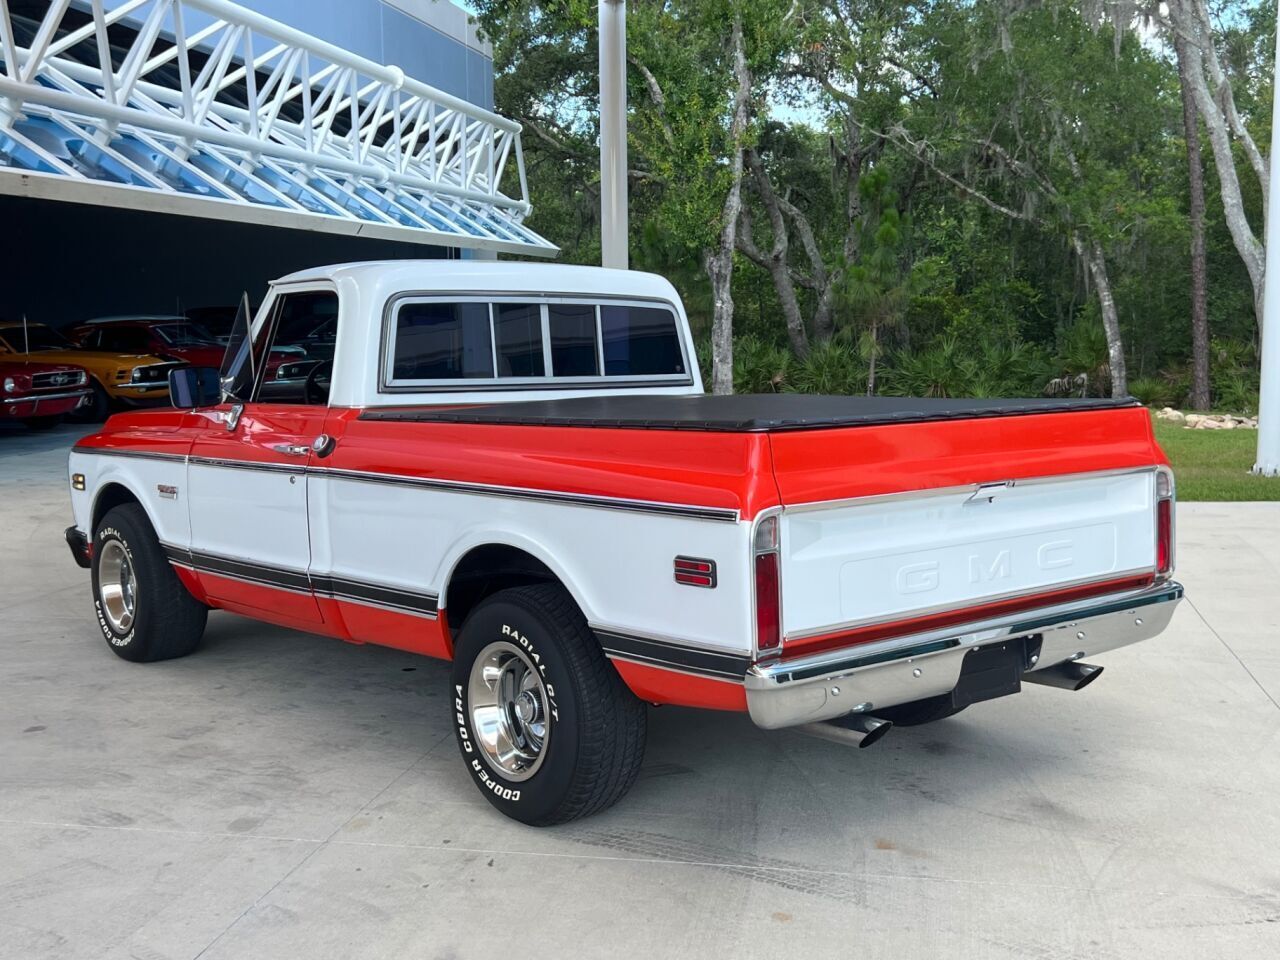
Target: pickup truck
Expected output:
[513,467]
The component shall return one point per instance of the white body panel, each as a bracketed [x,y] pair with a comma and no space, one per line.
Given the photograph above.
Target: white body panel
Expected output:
[143,478]
[617,564]
[889,558]
[249,514]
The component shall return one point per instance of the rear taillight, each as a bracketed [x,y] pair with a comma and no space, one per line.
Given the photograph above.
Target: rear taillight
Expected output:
[768,587]
[1164,522]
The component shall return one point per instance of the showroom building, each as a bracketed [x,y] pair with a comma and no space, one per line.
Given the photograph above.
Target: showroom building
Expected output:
[178,178]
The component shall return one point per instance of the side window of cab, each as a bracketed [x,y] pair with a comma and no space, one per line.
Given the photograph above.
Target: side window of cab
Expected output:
[296,347]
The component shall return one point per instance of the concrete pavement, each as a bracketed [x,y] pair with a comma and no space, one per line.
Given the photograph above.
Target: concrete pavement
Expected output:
[278,795]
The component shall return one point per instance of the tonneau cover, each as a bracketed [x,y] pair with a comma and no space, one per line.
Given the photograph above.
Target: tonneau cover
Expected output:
[751,413]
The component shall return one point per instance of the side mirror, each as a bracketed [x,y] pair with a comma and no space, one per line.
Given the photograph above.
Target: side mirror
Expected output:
[192,387]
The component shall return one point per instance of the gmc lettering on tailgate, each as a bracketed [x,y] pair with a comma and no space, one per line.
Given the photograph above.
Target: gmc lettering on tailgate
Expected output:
[925,577]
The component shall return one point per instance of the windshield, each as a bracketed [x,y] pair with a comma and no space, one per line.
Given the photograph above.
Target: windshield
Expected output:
[186,335]
[38,337]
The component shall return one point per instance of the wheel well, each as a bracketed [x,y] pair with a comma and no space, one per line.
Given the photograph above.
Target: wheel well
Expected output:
[109,497]
[483,571]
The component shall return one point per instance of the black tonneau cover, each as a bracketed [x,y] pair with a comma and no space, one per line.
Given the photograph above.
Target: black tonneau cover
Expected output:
[752,413]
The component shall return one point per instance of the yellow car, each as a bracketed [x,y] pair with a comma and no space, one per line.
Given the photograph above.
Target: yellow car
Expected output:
[117,379]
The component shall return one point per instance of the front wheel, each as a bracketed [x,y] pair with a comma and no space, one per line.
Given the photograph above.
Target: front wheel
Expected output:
[546,727]
[96,409]
[144,611]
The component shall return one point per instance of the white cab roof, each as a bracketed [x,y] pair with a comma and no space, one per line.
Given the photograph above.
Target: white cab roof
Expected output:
[490,276]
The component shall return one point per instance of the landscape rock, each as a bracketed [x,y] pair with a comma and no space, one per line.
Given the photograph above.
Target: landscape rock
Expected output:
[1207,421]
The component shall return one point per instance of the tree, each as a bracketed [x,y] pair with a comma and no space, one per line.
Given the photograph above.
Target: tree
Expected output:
[1190,23]
[1200,398]
[719,261]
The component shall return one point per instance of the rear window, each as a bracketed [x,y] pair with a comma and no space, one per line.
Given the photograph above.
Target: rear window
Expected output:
[518,333]
[573,340]
[639,341]
[443,341]
[537,343]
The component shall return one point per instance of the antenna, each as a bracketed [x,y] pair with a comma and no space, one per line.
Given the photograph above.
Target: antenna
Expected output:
[26,340]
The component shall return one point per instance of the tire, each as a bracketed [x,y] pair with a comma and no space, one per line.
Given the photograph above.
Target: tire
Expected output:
[919,712]
[97,409]
[162,620]
[42,423]
[592,738]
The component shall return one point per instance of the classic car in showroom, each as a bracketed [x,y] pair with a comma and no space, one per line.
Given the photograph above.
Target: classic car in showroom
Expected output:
[116,378]
[40,394]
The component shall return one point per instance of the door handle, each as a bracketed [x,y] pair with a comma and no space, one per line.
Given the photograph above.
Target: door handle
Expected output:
[292,449]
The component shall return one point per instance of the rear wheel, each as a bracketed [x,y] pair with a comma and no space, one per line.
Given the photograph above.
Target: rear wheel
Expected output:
[144,611]
[920,712]
[546,727]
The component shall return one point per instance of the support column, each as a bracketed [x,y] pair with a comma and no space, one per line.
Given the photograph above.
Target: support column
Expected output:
[1268,462]
[613,134]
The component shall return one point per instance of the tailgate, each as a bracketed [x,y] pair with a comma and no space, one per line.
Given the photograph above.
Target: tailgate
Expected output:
[893,559]
[948,516]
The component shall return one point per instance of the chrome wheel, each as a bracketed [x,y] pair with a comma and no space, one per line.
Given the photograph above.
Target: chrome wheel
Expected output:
[117,586]
[509,711]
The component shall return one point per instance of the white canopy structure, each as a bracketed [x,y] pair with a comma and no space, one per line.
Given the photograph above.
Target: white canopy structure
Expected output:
[205,109]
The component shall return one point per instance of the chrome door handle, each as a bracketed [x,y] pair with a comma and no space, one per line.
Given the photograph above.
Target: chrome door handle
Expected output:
[292,449]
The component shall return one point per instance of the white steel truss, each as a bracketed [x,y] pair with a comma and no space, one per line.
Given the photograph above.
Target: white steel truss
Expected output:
[203,108]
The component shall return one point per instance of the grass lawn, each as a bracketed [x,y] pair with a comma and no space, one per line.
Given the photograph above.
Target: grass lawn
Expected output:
[1215,464]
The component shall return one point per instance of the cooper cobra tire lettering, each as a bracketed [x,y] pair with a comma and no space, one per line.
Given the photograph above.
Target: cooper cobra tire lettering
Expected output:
[593,744]
[167,621]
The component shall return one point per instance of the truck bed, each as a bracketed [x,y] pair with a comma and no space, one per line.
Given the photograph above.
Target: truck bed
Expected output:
[751,413]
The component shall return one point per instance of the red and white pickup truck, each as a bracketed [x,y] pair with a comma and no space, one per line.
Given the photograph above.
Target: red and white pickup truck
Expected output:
[514,467]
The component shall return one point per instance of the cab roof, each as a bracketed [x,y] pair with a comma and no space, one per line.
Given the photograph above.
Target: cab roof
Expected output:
[491,276]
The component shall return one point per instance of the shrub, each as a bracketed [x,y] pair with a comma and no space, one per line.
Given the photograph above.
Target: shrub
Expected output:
[951,369]
[1233,371]
[760,366]
[831,367]
[1153,391]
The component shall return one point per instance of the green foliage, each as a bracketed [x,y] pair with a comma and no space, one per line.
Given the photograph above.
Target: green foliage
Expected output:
[760,366]
[949,252]
[1082,357]
[1154,391]
[1233,372]
[950,368]
[832,367]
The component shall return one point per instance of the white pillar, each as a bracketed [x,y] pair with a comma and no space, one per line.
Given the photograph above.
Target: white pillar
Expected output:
[613,133]
[1268,462]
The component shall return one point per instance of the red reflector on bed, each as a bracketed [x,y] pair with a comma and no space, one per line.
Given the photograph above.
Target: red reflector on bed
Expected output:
[695,572]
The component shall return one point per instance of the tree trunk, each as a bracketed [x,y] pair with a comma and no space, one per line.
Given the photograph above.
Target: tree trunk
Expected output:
[875,352]
[1187,23]
[776,260]
[1199,272]
[719,262]
[1091,255]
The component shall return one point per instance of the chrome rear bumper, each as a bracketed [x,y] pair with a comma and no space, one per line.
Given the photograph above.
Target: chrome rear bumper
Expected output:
[904,669]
